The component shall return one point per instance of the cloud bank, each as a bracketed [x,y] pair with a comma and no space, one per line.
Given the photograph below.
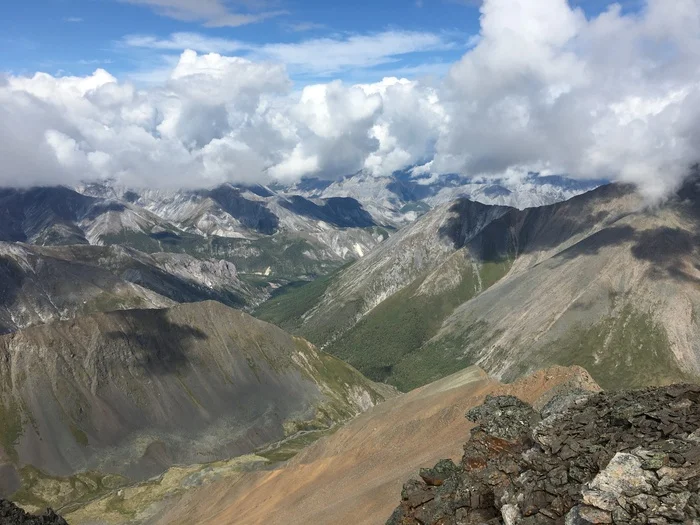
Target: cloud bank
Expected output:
[544,88]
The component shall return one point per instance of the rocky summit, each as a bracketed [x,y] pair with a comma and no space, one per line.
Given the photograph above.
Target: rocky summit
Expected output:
[583,458]
[11,514]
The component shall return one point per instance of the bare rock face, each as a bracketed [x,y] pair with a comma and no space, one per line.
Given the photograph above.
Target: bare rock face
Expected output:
[11,514]
[617,457]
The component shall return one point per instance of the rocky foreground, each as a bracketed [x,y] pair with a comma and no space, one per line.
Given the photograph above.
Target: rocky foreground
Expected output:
[611,457]
[11,514]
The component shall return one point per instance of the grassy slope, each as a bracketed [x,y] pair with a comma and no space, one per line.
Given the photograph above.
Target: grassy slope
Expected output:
[141,501]
[40,490]
[289,304]
[396,329]
[391,333]
[629,350]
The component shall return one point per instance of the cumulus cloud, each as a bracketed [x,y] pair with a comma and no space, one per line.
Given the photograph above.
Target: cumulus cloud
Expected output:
[215,119]
[546,88]
[543,88]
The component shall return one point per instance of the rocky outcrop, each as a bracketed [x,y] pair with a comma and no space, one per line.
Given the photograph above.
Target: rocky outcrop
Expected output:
[11,514]
[619,457]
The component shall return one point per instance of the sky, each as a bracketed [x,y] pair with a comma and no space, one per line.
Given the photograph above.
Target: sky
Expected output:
[74,37]
[200,92]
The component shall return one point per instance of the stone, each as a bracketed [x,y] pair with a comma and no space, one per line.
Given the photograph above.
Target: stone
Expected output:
[437,475]
[600,499]
[585,515]
[511,514]
[505,417]
[609,457]
[562,402]
[11,514]
[623,475]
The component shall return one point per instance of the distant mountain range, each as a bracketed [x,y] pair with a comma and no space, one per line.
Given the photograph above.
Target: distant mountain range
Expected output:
[402,197]
[237,245]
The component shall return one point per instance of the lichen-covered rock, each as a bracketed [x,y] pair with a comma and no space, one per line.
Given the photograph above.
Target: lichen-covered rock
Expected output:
[620,457]
[505,417]
[11,514]
[437,475]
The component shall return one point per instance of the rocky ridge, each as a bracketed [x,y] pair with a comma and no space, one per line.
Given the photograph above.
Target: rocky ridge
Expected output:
[611,457]
[11,514]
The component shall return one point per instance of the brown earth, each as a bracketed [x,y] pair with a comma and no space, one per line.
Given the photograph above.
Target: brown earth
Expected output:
[354,475]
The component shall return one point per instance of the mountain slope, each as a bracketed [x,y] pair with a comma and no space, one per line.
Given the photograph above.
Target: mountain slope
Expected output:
[599,280]
[137,391]
[621,301]
[262,232]
[38,287]
[354,475]
[43,284]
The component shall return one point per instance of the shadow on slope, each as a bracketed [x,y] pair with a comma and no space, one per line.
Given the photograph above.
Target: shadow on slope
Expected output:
[343,212]
[663,246]
[517,232]
[251,213]
[159,345]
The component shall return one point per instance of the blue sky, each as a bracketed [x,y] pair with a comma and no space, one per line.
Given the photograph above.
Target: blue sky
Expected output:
[133,39]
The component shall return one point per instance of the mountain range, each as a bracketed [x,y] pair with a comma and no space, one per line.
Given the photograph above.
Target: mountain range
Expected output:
[601,280]
[155,341]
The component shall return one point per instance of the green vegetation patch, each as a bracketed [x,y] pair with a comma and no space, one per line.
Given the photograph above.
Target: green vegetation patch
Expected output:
[289,448]
[401,324]
[627,350]
[287,306]
[143,501]
[79,436]
[40,490]
[11,428]
[438,359]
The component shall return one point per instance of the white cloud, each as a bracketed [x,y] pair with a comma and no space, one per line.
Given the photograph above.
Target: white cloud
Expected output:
[305,26]
[544,88]
[327,56]
[213,13]
[319,56]
[215,119]
[73,19]
[184,41]
[613,96]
